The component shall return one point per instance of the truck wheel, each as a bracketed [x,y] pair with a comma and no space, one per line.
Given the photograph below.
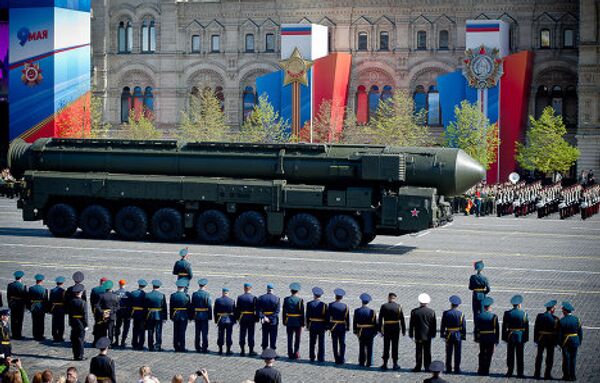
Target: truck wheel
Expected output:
[62,220]
[131,223]
[167,225]
[213,227]
[304,231]
[250,228]
[95,221]
[367,238]
[343,233]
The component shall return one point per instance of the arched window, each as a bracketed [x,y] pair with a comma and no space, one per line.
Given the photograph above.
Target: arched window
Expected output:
[568,38]
[384,41]
[557,100]
[138,101]
[220,96]
[129,40]
[124,37]
[148,101]
[148,36]
[542,100]
[386,94]
[434,116]
[215,43]
[196,44]
[545,38]
[373,100]
[248,101]
[443,41]
[420,98]
[269,42]
[421,40]
[362,41]
[249,42]
[362,107]
[125,104]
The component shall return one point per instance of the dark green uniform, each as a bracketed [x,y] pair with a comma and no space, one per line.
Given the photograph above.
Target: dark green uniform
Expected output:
[545,335]
[16,295]
[38,303]
[138,315]
[179,308]
[156,304]
[571,337]
[78,320]
[515,332]
[487,334]
[57,310]
[201,308]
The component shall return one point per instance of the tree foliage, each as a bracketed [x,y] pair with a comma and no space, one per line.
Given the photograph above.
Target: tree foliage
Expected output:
[472,132]
[326,125]
[264,125]
[203,120]
[546,150]
[141,127]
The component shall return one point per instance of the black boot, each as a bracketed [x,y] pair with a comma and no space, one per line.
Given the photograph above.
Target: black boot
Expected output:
[252,353]
[243,351]
[229,351]
[220,350]
[384,366]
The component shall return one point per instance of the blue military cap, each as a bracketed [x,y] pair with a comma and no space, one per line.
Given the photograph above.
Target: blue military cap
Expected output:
[183,252]
[225,289]
[516,300]
[60,280]
[295,286]
[436,366]
[247,284]
[107,285]
[478,265]
[78,288]
[78,277]
[203,281]
[39,277]
[18,274]
[268,353]
[142,282]
[103,343]
[568,306]
[551,303]
[5,312]
[182,282]
[270,286]
[317,291]
[488,301]
[156,283]
[339,292]
[365,298]
[455,300]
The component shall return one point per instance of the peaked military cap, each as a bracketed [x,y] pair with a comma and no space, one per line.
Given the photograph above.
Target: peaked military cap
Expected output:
[5,312]
[568,306]
[78,277]
[488,301]
[102,343]
[455,300]
[78,288]
[103,279]
[436,366]
[295,286]
[142,282]
[18,274]
[182,282]
[365,298]
[203,281]
[478,265]
[516,300]
[317,291]
[225,289]
[551,303]
[392,295]
[268,353]
[339,292]
[156,283]
[60,280]
[247,284]
[107,285]
[270,286]
[183,252]
[39,277]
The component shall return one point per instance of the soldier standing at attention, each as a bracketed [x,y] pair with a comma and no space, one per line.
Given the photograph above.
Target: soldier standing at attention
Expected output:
[570,337]
[96,292]
[106,312]
[268,306]
[339,323]
[5,347]
[545,335]
[102,365]
[224,313]
[515,332]
[179,308]
[480,286]
[156,304]
[57,310]
[38,303]
[454,330]
[365,328]
[317,313]
[78,277]
[78,320]
[293,320]
[245,314]
[487,334]
[391,319]
[138,314]
[202,314]
[268,374]
[183,268]
[422,328]
[123,314]
[16,295]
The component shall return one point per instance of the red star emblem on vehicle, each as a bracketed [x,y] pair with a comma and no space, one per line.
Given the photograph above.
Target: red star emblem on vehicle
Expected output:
[414,212]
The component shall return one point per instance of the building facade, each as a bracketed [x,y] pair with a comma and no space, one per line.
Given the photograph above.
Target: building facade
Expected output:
[158,52]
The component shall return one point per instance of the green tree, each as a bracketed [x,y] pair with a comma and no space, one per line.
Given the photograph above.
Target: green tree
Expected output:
[204,120]
[324,124]
[264,125]
[99,128]
[140,127]
[472,132]
[546,150]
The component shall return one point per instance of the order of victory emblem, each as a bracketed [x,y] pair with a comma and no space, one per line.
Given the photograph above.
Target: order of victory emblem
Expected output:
[483,67]
[31,74]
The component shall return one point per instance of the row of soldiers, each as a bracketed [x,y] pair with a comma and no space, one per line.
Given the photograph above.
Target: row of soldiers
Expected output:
[591,201]
[570,201]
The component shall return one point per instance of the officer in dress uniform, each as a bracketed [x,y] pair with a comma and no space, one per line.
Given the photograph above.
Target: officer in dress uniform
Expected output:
[480,286]
[38,304]
[156,305]
[16,295]
[317,314]
[293,319]
[422,328]
[224,313]
[339,323]
[391,320]
[102,365]
[436,367]
[123,314]
[268,374]
[453,330]
[202,313]
[106,313]
[5,346]
[245,315]
[57,310]
[570,336]
[78,277]
[365,328]
[267,307]
[487,334]
[97,291]
[78,320]
[545,335]
[183,268]
[179,308]
[515,332]
[137,300]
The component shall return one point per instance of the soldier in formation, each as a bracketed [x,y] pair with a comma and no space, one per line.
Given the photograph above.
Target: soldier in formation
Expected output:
[156,305]
[570,337]
[569,205]
[106,312]
[422,329]
[515,332]
[57,309]
[453,330]
[487,334]
[246,316]
[178,312]
[545,336]
[391,321]
[293,320]
[224,314]
[183,268]
[78,320]
[317,322]
[267,307]
[365,328]
[201,307]
[77,277]
[16,295]
[548,200]
[37,302]
[123,315]
[339,324]
[102,366]
[139,314]
[591,201]
[479,284]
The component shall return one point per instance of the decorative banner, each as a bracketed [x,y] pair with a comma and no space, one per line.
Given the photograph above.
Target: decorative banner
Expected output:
[295,72]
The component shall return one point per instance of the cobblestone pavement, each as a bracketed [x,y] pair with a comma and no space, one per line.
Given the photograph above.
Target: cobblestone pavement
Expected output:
[541,259]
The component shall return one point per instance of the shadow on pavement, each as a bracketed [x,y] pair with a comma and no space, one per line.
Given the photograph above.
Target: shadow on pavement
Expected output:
[23,232]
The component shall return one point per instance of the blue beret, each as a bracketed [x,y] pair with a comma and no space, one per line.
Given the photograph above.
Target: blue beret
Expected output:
[268,353]
[317,291]
[551,303]
[203,281]
[182,282]
[142,282]
[516,300]
[4,312]
[183,252]
[568,306]
[39,277]
[247,284]
[156,283]
[19,274]
[78,277]
[365,298]
[78,288]
[478,265]
[488,301]
[103,343]
[225,289]
[455,300]
[436,366]
[107,285]
[60,280]
[295,286]
[270,286]
[339,292]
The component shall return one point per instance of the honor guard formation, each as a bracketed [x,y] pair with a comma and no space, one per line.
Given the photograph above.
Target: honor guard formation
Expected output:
[112,312]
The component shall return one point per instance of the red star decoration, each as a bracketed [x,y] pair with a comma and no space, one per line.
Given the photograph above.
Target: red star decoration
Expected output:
[414,212]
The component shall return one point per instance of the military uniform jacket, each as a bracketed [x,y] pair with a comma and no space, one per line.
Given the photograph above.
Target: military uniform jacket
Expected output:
[70,295]
[108,304]
[479,285]
[95,295]
[224,311]
[423,324]
[78,315]
[570,333]
[183,269]
[137,300]
[391,317]
[454,325]
[16,295]
[245,308]
[38,299]
[339,317]
[57,301]
[156,305]
[293,311]
[103,367]
[267,375]
[365,322]
[124,298]
[201,306]
[179,306]
[515,326]
[268,305]
[487,329]
[545,330]
[317,315]
[5,333]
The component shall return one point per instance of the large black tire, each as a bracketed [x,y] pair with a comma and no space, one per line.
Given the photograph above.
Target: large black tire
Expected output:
[62,220]
[343,233]
[250,229]
[304,231]
[213,227]
[367,238]
[167,225]
[96,221]
[131,223]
